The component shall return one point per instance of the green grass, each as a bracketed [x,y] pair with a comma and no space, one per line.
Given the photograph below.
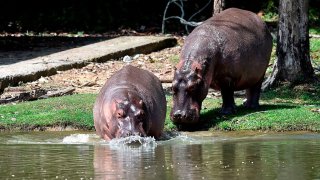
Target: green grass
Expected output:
[315,51]
[281,109]
[73,110]
[174,59]
[314,45]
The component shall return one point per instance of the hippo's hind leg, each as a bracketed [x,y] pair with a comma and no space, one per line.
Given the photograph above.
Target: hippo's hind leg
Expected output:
[253,96]
[228,104]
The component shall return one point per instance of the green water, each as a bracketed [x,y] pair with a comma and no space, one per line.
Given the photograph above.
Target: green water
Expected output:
[45,155]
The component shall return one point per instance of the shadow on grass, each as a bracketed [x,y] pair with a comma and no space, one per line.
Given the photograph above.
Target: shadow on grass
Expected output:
[212,117]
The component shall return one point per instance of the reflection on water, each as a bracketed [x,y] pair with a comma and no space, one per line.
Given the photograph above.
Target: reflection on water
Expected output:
[53,155]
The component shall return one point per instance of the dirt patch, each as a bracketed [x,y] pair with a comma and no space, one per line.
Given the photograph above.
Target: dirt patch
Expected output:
[91,78]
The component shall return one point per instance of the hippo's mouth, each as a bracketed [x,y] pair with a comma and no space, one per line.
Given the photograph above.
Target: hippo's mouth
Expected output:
[190,117]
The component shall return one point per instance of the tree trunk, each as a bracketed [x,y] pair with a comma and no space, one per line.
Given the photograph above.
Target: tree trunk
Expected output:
[293,57]
[218,6]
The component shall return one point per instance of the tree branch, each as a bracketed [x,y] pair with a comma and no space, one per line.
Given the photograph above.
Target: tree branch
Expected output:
[179,3]
[272,79]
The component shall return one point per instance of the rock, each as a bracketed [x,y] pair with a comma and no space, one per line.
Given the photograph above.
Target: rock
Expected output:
[127,59]
[43,80]
[136,56]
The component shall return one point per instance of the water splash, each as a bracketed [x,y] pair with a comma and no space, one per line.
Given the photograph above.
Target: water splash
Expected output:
[133,142]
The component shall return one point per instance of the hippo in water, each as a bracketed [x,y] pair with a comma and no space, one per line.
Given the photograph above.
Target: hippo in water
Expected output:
[132,102]
[228,52]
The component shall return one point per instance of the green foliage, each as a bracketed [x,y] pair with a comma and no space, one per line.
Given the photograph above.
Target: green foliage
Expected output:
[314,30]
[270,16]
[314,15]
[271,6]
[270,9]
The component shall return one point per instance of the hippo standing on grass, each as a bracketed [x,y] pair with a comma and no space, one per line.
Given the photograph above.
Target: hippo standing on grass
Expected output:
[132,102]
[228,52]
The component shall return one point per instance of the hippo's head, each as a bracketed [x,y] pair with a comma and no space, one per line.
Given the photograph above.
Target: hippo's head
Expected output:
[189,90]
[130,117]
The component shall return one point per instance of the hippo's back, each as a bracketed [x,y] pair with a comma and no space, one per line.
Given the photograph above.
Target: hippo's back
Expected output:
[231,31]
[144,81]
[241,26]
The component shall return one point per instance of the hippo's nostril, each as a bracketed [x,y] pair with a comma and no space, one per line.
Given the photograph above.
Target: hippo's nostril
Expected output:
[127,134]
[179,114]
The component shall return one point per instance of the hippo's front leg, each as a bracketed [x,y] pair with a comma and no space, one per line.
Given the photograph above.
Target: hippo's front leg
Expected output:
[228,104]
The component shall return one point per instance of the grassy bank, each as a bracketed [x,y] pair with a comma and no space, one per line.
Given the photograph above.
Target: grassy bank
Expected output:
[282,109]
[75,111]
